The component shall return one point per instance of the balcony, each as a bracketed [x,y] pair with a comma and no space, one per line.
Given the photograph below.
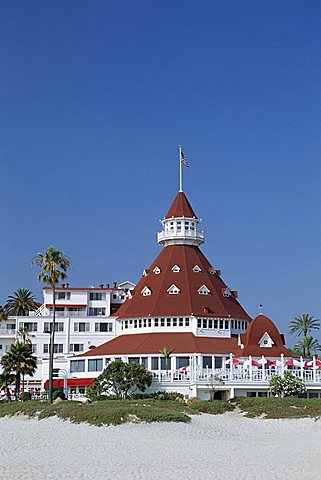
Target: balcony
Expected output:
[6,332]
[176,236]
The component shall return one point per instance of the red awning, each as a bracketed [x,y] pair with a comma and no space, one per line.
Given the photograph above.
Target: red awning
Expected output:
[71,382]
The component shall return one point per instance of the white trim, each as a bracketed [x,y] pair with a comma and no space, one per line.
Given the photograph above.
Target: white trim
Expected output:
[146,291]
[176,269]
[197,269]
[173,290]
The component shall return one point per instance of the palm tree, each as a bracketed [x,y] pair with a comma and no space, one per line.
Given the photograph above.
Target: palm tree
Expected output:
[166,352]
[21,302]
[302,326]
[20,361]
[3,314]
[6,379]
[307,346]
[25,336]
[54,266]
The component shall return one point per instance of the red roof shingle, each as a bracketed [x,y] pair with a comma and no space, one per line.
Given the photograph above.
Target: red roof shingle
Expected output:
[180,207]
[152,343]
[188,301]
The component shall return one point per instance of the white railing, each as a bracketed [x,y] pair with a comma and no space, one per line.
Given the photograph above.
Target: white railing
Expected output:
[5,331]
[237,375]
[167,234]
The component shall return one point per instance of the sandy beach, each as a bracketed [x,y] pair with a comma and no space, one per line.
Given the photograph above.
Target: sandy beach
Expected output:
[224,447]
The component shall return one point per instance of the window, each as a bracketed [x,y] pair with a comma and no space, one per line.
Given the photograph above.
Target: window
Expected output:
[154,363]
[77,366]
[182,362]
[168,322]
[204,323]
[226,324]
[210,324]
[207,362]
[199,323]
[173,290]
[146,292]
[62,295]
[226,292]
[221,324]
[133,360]
[58,348]
[31,326]
[264,394]
[162,324]
[114,296]
[81,327]
[135,323]
[59,327]
[203,290]
[165,363]
[218,362]
[97,296]
[97,312]
[157,270]
[76,347]
[144,361]
[174,322]
[156,322]
[215,324]
[149,322]
[95,365]
[197,269]
[34,348]
[126,324]
[176,269]
[144,323]
[251,394]
[181,322]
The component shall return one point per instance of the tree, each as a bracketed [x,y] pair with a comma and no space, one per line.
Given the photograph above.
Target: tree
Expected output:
[20,361]
[6,379]
[166,352]
[307,346]
[302,325]
[3,314]
[286,385]
[20,303]
[54,266]
[214,385]
[25,336]
[120,379]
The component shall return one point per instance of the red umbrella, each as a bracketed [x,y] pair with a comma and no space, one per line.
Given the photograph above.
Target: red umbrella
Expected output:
[292,363]
[235,361]
[310,364]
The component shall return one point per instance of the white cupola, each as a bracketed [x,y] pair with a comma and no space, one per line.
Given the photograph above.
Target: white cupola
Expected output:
[180,224]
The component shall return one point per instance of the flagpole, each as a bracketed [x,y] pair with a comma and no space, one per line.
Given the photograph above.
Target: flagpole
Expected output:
[180,169]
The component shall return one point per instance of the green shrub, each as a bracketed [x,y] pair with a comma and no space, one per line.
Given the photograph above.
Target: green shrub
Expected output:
[25,396]
[59,393]
[168,396]
[286,385]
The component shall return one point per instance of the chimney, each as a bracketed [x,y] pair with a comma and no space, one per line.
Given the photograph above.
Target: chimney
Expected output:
[63,285]
[67,285]
[107,285]
[115,284]
[101,285]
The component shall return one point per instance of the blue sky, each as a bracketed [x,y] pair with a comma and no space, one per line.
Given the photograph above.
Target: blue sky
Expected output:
[95,98]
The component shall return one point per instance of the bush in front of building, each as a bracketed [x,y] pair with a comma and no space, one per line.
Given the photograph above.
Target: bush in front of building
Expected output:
[58,393]
[120,380]
[286,385]
[25,396]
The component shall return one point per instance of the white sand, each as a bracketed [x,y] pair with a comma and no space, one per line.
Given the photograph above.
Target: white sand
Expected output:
[210,447]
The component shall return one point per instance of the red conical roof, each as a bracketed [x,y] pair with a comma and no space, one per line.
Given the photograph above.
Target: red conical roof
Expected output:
[180,207]
[253,335]
[189,301]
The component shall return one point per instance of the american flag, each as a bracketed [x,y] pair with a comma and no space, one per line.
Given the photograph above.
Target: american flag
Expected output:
[183,160]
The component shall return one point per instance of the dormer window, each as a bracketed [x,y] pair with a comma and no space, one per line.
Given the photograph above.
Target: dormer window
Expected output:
[197,269]
[145,272]
[176,269]
[157,270]
[146,291]
[173,290]
[226,292]
[211,271]
[266,341]
[203,290]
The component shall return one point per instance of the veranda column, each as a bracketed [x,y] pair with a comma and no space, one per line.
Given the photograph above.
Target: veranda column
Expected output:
[251,373]
[301,368]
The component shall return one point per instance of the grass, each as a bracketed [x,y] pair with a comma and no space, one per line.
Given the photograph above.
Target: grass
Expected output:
[115,412]
[289,407]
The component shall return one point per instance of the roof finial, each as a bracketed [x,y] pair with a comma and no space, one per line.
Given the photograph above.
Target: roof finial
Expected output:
[260,309]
